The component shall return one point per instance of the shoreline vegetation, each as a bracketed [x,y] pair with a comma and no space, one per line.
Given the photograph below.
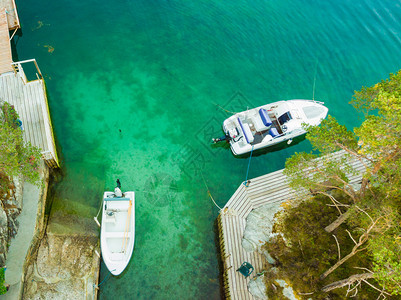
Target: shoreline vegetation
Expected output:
[19,162]
[345,241]
[47,265]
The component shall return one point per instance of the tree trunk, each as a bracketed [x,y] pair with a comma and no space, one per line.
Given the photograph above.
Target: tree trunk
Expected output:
[339,263]
[350,280]
[362,239]
[341,219]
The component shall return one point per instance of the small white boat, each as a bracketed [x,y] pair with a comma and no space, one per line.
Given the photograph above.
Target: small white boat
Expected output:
[271,124]
[117,235]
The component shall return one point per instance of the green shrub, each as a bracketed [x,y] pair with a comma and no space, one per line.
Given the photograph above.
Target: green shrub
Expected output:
[17,158]
[10,115]
[3,289]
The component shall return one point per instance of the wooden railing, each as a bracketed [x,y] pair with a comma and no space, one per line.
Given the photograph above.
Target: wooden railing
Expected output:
[16,14]
[18,70]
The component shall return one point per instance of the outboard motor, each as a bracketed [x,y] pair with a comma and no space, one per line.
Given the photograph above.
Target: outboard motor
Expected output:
[220,139]
[228,136]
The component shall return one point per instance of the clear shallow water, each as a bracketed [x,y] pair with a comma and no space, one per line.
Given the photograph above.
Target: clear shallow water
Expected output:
[133,88]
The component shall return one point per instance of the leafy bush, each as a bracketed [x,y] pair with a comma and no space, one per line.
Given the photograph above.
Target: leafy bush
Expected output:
[17,158]
[3,288]
[10,115]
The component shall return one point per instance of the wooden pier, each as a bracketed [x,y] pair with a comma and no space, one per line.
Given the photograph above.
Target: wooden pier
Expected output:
[30,101]
[8,21]
[12,15]
[28,96]
[270,188]
[5,49]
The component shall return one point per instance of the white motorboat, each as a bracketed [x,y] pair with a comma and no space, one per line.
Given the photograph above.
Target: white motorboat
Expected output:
[271,124]
[117,235]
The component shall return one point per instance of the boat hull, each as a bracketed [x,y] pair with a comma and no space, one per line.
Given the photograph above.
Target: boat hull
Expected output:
[117,236]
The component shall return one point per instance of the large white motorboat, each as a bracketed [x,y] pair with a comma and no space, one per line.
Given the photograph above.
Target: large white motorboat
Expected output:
[271,124]
[117,235]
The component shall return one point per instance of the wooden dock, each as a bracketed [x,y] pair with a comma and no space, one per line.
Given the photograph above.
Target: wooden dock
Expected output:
[30,101]
[9,7]
[28,96]
[270,188]
[5,48]
[8,21]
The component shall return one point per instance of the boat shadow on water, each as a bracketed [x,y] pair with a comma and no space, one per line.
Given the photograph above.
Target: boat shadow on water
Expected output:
[274,148]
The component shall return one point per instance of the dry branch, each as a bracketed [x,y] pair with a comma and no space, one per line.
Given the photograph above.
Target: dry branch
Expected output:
[350,280]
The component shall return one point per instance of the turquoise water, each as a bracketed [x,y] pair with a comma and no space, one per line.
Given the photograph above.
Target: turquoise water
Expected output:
[135,89]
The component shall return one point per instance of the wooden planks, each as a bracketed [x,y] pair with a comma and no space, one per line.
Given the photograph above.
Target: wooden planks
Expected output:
[29,100]
[12,15]
[269,188]
[5,48]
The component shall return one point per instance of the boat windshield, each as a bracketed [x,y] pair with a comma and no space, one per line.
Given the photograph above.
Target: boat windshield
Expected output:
[284,118]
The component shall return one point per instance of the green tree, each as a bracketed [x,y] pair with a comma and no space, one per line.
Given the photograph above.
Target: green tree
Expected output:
[17,158]
[373,208]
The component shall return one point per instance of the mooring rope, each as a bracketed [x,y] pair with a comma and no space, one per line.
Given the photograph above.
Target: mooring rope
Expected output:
[227,111]
[314,81]
[95,218]
[97,286]
[246,183]
[208,191]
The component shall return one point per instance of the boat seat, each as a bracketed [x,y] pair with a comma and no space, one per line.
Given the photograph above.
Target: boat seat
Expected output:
[273,132]
[262,120]
[117,199]
[264,116]
[247,131]
[258,124]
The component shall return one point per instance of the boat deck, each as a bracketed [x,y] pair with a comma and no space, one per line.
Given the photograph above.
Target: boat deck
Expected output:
[270,188]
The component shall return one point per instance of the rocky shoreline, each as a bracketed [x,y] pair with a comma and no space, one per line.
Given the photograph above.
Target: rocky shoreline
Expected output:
[258,231]
[61,262]
[65,267]
[64,263]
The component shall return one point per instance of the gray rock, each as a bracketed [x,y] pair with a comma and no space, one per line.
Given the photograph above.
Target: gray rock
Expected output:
[257,287]
[64,267]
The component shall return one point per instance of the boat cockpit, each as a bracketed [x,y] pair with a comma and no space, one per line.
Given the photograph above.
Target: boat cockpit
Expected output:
[259,126]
